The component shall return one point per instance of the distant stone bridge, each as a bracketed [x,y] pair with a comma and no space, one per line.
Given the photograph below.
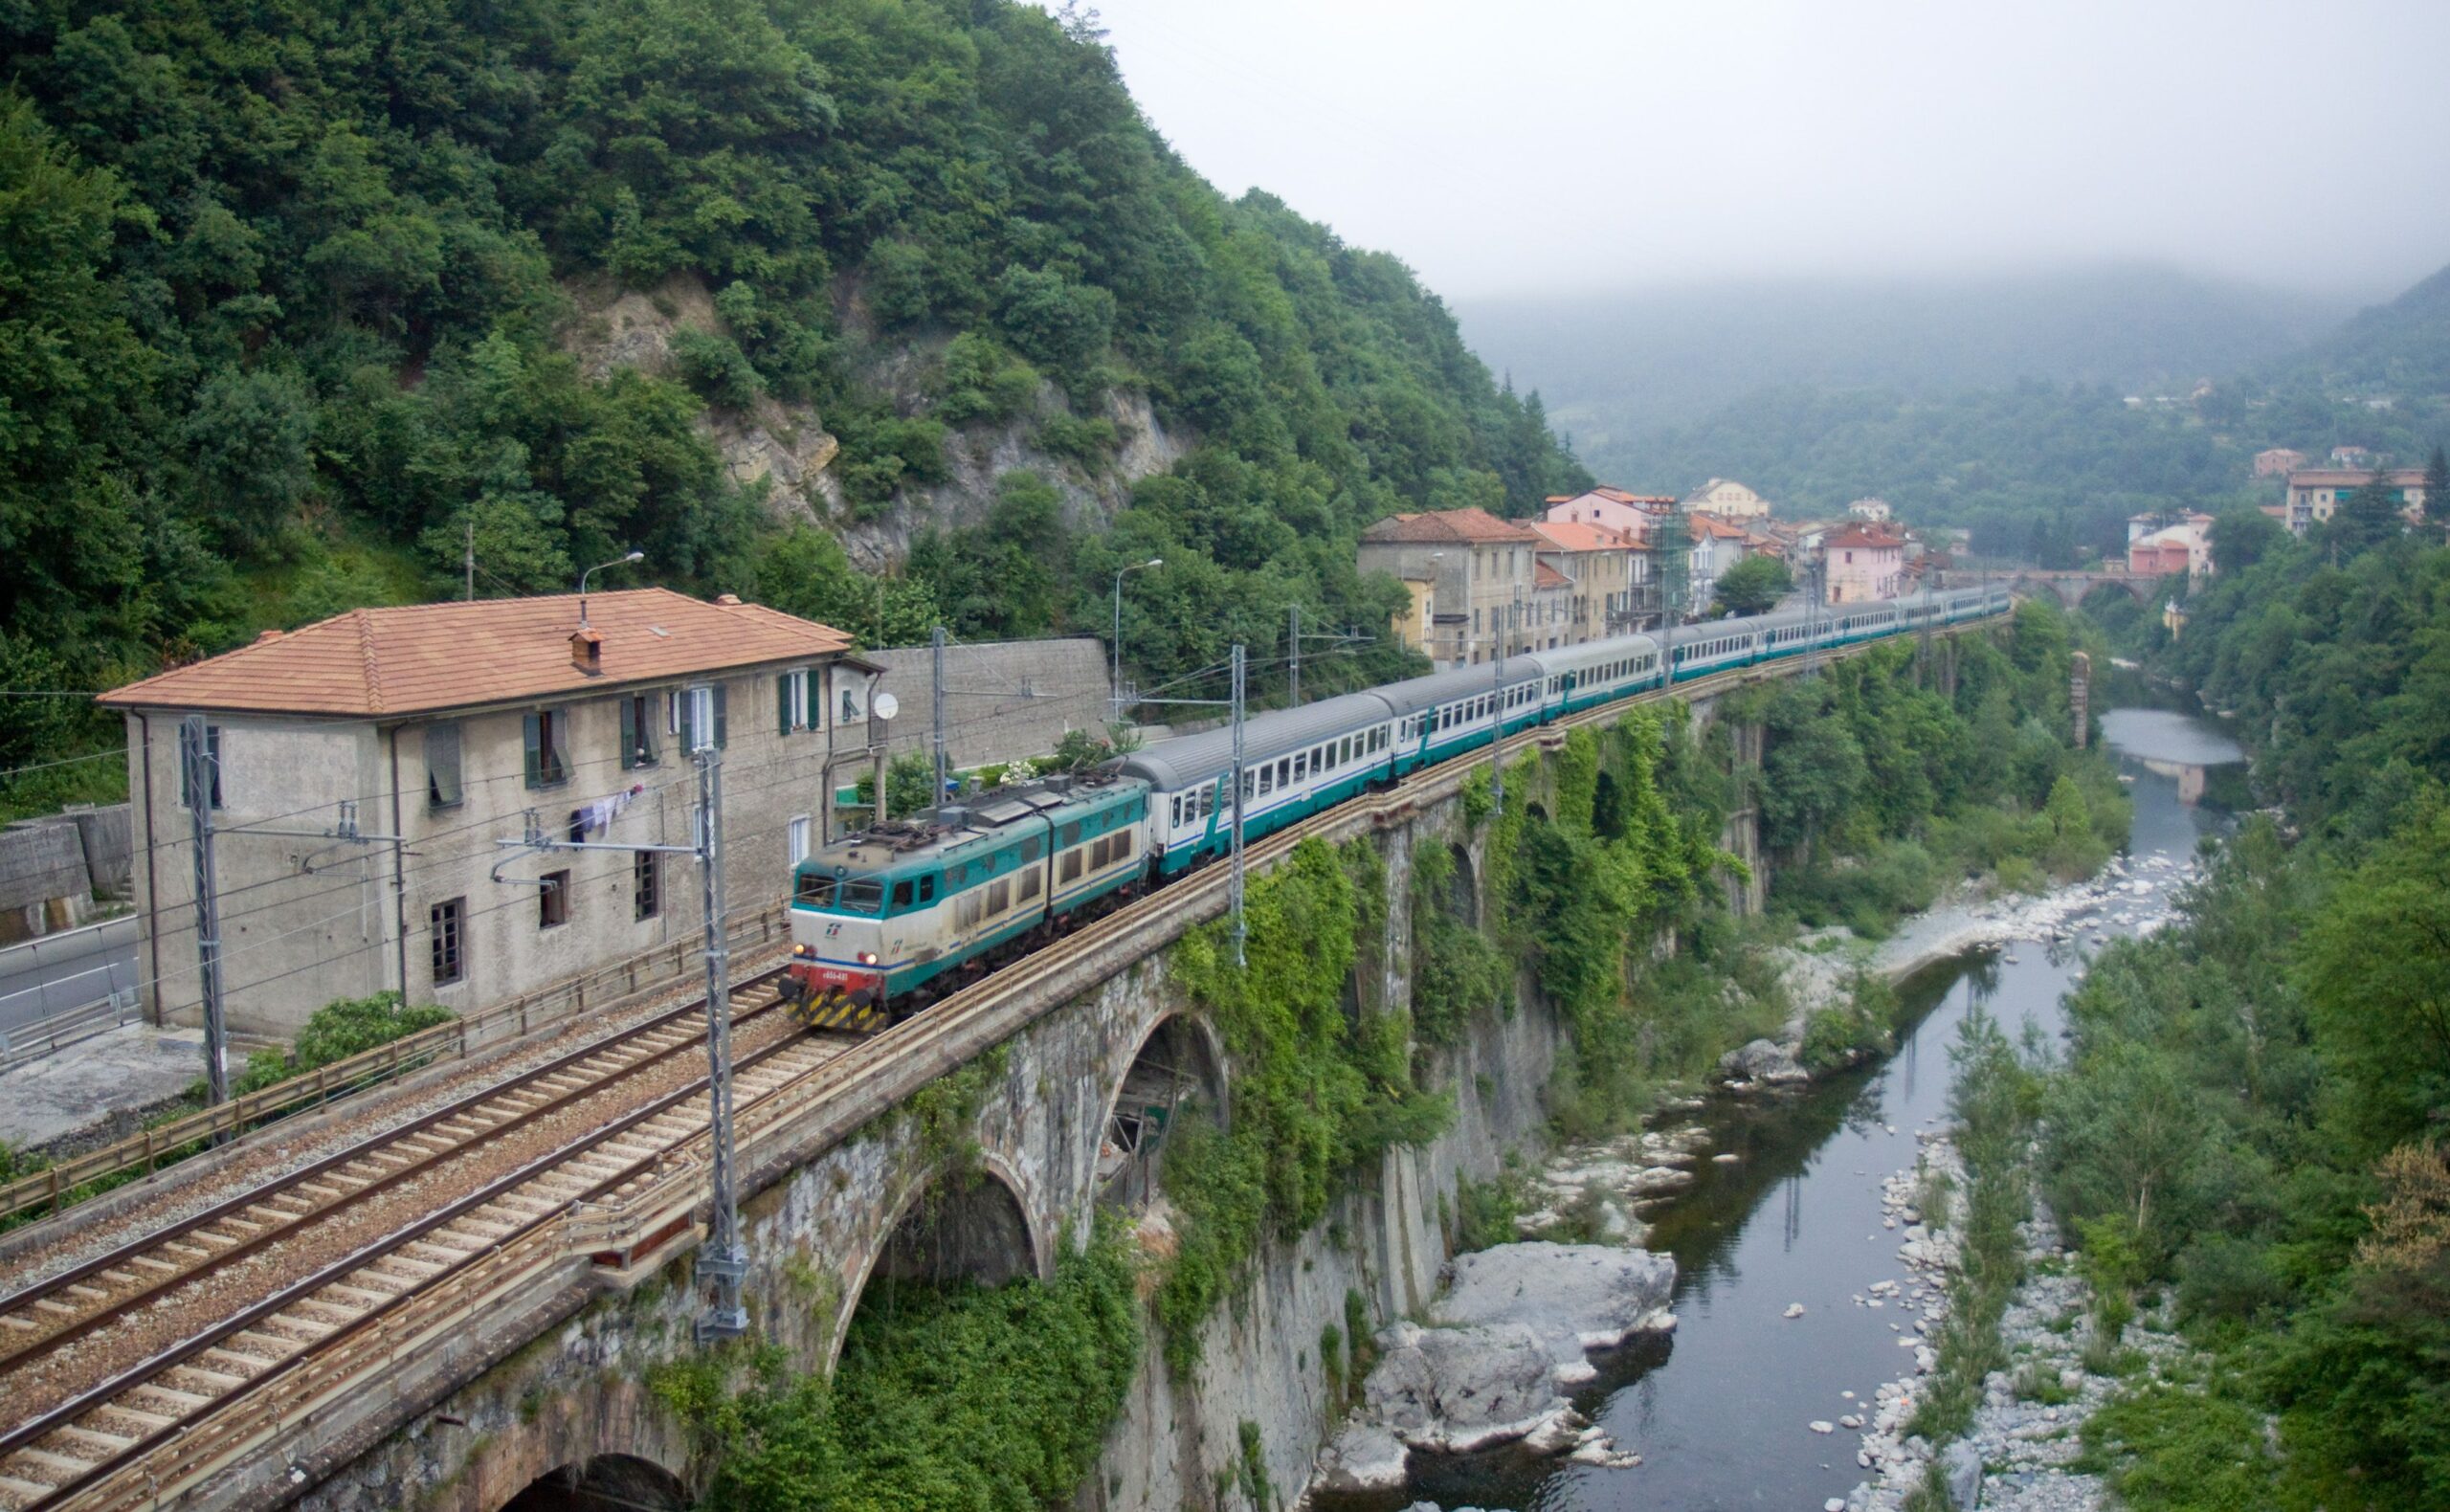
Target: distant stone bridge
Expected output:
[2069,588]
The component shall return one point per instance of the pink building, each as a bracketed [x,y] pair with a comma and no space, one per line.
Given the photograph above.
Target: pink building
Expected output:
[1864,563]
[2277,462]
[1633,515]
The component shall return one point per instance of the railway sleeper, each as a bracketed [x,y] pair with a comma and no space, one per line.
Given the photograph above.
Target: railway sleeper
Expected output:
[81,1435]
[58,1464]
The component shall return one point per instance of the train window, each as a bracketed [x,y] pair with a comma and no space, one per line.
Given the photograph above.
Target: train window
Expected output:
[1284,773]
[999,896]
[1267,781]
[1301,765]
[1030,882]
[1176,822]
[902,893]
[926,889]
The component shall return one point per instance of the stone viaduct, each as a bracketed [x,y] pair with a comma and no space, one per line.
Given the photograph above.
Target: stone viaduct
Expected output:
[970,1142]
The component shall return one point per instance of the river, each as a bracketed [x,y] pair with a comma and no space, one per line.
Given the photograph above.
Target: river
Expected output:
[1718,1410]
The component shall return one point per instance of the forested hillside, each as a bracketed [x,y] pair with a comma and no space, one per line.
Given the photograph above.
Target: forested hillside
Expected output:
[297,298]
[2250,1121]
[2051,469]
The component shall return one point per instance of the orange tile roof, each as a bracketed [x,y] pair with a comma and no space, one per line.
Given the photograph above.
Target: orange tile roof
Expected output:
[1568,535]
[1706,525]
[1543,576]
[1862,538]
[422,658]
[1475,525]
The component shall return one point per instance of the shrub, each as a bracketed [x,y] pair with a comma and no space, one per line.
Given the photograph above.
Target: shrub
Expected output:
[716,369]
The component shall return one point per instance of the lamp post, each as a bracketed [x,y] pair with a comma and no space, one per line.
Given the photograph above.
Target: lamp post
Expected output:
[633,556]
[1136,567]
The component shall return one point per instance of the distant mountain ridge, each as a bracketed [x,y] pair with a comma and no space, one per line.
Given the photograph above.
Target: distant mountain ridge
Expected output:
[1613,367]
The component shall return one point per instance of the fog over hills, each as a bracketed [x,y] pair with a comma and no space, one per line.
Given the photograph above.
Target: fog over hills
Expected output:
[1613,366]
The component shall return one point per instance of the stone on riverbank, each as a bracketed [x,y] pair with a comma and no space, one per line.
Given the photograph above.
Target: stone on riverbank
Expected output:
[1764,1060]
[1507,1342]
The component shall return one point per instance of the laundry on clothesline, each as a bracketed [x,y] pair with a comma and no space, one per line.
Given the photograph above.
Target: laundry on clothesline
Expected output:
[598,817]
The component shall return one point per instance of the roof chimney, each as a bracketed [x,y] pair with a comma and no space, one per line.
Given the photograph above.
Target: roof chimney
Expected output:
[728,598]
[586,651]
[267,637]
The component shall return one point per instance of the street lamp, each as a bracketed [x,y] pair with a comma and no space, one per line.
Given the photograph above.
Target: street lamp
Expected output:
[634,556]
[1136,567]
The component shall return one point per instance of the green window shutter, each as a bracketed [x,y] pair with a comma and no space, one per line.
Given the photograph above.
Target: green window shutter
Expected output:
[719,715]
[628,733]
[685,714]
[813,699]
[783,704]
[535,752]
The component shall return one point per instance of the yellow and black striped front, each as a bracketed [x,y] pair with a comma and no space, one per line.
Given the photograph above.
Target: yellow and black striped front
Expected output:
[836,1010]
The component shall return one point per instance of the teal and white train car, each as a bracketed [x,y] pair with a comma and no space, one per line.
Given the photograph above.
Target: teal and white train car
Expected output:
[1295,762]
[883,918]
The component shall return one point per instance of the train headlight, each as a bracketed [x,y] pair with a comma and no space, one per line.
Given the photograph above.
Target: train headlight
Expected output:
[867,958]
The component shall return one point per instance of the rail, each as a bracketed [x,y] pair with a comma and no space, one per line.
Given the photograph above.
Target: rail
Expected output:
[634,1216]
[57,1184]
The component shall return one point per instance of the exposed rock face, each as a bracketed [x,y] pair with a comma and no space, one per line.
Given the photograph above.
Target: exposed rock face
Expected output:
[1507,1342]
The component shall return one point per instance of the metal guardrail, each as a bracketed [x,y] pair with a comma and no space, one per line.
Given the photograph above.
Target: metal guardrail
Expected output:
[647,971]
[33,1041]
[814,1109]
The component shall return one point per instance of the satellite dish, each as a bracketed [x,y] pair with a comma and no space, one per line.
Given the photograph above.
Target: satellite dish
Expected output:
[885,706]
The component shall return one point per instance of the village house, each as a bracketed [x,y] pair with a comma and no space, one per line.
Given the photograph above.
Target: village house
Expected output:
[2315,494]
[1870,511]
[2158,550]
[1718,544]
[1863,563]
[1476,574]
[1633,515]
[369,765]
[2277,462]
[1726,498]
[1610,573]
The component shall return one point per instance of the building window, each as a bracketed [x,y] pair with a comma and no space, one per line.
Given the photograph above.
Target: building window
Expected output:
[637,731]
[444,922]
[553,900]
[212,762]
[443,789]
[646,883]
[854,702]
[800,833]
[799,700]
[705,702]
[547,766]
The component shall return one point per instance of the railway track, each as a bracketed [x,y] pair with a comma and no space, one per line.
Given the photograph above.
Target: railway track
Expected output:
[109,1358]
[209,1391]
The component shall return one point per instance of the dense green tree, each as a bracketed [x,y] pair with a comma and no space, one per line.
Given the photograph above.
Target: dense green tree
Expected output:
[1753,586]
[2240,538]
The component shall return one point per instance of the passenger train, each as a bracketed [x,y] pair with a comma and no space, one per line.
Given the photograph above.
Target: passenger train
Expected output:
[885,920]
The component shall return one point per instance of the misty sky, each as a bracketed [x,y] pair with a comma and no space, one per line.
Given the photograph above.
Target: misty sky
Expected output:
[1558,145]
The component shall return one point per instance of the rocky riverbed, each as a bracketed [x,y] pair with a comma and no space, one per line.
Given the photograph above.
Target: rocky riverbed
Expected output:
[2018,1453]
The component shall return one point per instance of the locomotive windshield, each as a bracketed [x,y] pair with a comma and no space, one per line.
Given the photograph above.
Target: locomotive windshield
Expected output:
[847,894]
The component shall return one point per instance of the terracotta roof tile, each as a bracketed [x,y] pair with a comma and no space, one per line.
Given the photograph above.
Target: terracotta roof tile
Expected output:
[1474,526]
[1862,538]
[1545,577]
[421,657]
[1568,535]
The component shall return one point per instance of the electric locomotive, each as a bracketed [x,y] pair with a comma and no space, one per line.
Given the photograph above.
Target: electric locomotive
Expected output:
[884,920]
